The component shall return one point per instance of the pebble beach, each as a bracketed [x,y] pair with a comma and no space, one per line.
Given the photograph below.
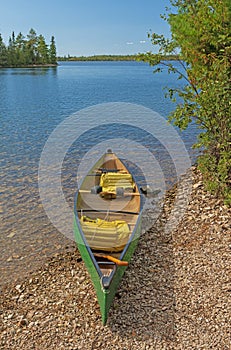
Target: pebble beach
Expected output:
[174,294]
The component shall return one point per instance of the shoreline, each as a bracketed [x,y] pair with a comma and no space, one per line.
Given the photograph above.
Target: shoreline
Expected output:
[32,66]
[174,294]
[132,57]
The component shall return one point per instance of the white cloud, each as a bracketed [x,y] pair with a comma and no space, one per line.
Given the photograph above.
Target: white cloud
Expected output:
[129,43]
[142,41]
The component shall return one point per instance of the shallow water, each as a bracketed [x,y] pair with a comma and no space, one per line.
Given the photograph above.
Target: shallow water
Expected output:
[35,101]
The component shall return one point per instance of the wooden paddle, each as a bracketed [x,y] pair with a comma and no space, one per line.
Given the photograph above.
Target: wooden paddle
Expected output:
[111,258]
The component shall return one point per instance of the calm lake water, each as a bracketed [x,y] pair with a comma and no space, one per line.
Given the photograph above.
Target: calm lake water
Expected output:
[32,103]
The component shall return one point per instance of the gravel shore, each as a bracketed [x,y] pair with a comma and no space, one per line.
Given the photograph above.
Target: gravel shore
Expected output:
[174,294]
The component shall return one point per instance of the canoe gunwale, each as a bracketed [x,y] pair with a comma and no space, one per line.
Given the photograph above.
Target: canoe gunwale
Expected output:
[84,239]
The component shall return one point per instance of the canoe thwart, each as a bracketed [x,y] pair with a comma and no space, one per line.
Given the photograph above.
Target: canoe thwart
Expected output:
[112,193]
[106,211]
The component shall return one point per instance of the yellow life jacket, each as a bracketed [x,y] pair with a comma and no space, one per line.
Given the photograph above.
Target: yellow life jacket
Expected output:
[111,180]
[111,236]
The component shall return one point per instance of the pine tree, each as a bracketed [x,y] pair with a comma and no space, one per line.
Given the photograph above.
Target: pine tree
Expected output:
[43,55]
[12,59]
[31,47]
[20,49]
[3,53]
[52,51]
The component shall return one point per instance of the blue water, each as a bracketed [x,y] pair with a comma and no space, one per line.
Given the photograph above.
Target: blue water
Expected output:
[32,103]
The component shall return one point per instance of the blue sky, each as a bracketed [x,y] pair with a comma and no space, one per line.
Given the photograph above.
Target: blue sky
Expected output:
[87,27]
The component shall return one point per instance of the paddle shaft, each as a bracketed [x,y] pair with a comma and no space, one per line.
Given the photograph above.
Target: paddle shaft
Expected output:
[111,258]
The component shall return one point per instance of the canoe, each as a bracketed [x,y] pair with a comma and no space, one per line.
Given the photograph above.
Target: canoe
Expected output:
[107,225]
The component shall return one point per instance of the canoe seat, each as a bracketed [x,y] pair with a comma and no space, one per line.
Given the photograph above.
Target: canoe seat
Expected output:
[111,181]
[110,236]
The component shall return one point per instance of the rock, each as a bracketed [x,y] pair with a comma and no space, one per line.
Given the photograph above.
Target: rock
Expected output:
[18,288]
[30,314]
[12,234]
[198,184]
[16,256]
[22,322]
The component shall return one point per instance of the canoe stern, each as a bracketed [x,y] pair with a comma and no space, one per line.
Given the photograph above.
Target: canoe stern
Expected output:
[105,295]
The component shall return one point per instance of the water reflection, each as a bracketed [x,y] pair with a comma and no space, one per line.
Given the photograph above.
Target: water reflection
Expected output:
[29,71]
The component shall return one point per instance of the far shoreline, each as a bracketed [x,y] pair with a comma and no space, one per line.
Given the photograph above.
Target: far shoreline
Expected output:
[108,58]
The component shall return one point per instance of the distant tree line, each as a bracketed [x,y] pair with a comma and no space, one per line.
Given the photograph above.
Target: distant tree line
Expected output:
[106,58]
[27,51]
[98,58]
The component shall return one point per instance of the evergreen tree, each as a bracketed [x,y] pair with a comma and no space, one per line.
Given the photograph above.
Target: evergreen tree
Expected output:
[52,51]
[3,53]
[20,49]
[12,59]
[13,38]
[31,47]
[43,54]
